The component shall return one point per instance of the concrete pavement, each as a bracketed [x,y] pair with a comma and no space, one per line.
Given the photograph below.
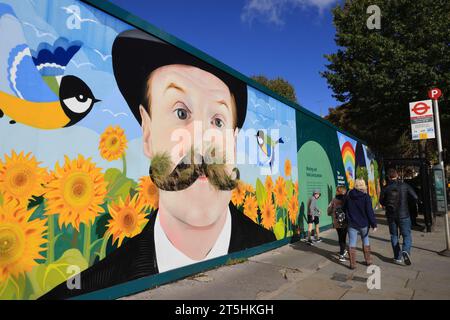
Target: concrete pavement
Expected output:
[301,272]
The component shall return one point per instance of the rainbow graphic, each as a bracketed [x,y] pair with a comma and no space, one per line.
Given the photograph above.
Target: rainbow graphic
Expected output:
[348,157]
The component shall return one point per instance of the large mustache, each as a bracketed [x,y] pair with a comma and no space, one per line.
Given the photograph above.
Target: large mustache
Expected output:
[188,170]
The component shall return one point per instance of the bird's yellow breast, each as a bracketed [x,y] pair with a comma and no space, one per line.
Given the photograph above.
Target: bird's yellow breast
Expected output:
[42,115]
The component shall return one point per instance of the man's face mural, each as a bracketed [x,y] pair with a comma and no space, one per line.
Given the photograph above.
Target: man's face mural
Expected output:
[189,133]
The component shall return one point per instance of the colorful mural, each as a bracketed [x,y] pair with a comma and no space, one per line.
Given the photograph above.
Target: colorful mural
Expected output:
[126,157]
[110,139]
[373,183]
[348,146]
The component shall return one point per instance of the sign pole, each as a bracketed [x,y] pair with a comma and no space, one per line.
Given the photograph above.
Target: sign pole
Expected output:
[445,252]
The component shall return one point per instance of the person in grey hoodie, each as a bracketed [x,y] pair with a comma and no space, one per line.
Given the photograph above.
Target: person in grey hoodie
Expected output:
[313,216]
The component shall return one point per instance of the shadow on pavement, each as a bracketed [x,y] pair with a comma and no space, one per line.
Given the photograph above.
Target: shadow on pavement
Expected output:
[414,247]
[329,255]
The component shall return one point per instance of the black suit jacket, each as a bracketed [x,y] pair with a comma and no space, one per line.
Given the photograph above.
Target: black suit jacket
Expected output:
[136,258]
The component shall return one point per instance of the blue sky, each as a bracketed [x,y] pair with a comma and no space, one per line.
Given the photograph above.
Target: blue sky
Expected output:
[286,38]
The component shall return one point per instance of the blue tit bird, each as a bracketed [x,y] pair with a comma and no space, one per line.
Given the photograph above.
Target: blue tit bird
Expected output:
[267,146]
[33,88]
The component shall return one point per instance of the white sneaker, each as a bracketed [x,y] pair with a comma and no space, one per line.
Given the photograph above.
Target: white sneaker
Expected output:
[406,258]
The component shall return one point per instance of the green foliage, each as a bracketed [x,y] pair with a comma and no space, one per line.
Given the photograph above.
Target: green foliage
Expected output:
[362,173]
[261,193]
[119,185]
[45,277]
[375,169]
[12,289]
[278,85]
[231,262]
[279,229]
[376,73]
[289,188]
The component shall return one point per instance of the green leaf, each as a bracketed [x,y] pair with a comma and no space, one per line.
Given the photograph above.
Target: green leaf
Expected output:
[118,184]
[278,230]
[12,289]
[124,190]
[45,277]
[289,188]
[261,193]
[280,213]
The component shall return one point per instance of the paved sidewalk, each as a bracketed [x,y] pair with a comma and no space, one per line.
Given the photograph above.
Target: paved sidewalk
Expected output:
[299,271]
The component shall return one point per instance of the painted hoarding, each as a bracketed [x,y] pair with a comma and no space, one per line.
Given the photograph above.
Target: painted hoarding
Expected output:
[124,157]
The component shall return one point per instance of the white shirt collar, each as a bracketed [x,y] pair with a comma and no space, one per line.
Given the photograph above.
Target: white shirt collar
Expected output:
[168,257]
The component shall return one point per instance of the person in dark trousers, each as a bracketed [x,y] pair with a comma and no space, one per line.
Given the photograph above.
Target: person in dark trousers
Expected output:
[395,200]
[336,211]
[360,215]
[313,217]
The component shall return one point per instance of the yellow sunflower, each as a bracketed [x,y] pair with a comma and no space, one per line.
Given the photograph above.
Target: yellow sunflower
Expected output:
[76,192]
[268,214]
[21,240]
[238,194]
[148,192]
[269,185]
[293,209]
[251,207]
[287,168]
[249,188]
[280,191]
[21,177]
[128,218]
[296,187]
[113,143]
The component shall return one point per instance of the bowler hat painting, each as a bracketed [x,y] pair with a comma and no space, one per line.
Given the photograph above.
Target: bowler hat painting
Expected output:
[156,160]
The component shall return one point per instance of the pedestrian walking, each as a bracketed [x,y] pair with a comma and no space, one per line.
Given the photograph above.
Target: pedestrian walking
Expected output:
[336,211]
[361,217]
[313,217]
[394,197]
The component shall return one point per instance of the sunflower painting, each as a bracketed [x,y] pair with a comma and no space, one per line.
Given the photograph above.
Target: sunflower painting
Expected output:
[21,177]
[76,213]
[22,241]
[128,218]
[71,215]
[273,205]
[76,192]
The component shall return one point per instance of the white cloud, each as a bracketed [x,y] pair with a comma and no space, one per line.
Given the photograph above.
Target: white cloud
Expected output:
[272,11]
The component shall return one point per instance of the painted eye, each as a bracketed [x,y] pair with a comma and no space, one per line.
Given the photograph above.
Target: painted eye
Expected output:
[182,113]
[218,122]
[78,104]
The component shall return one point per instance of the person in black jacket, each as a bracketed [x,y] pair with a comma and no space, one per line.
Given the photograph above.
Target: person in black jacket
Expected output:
[360,216]
[394,197]
[169,90]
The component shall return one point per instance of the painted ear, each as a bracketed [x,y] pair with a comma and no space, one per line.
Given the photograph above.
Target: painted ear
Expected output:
[146,132]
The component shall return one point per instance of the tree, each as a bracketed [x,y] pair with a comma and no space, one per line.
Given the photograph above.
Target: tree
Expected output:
[376,73]
[278,85]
